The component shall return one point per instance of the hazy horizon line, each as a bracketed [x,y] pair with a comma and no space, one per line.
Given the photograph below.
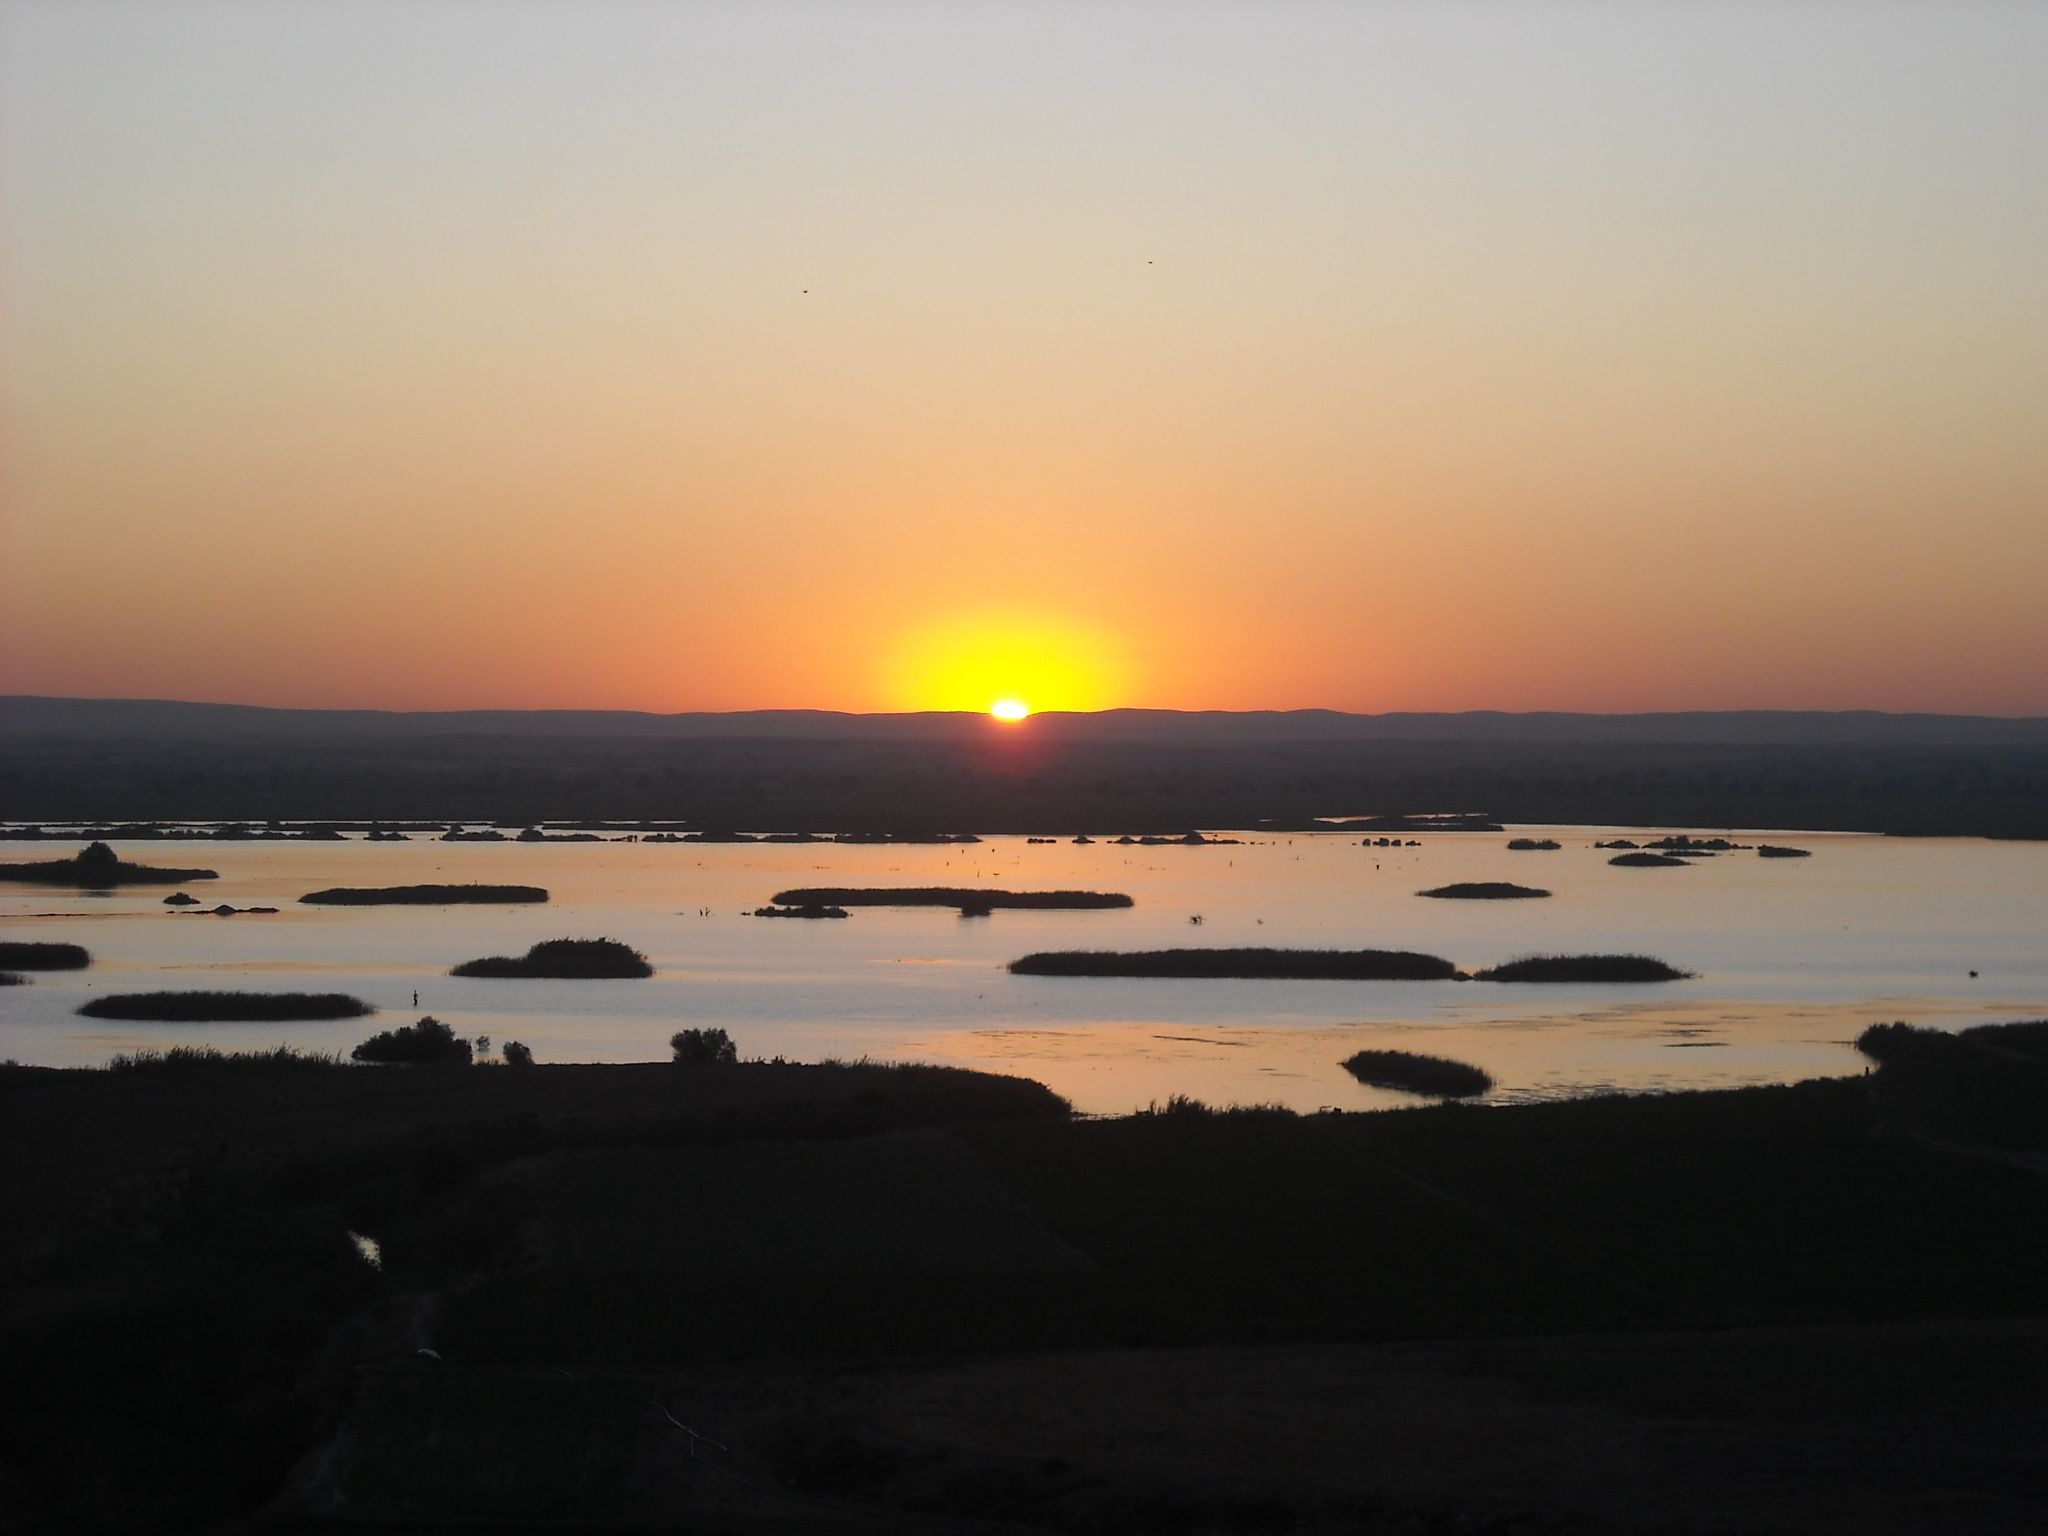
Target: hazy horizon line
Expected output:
[1117,709]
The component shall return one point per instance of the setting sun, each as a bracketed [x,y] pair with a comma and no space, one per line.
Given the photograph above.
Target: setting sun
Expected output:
[1009,662]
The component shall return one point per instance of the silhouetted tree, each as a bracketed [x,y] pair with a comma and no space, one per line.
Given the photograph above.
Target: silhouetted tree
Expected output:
[517,1055]
[429,1041]
[711,1047]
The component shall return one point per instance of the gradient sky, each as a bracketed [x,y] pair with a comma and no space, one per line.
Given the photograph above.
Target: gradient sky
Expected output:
[875,356]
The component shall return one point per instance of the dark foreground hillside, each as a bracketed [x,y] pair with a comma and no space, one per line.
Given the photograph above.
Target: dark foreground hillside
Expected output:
[766,1298]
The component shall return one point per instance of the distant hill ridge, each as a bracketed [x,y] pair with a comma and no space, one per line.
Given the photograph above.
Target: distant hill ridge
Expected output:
[94,762]
[26,717]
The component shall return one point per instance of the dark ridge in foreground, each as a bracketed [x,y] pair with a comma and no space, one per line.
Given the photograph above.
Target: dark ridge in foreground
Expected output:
[1483,890]
[1411,1072]
[949,896]
[1647,861]
[1806,1310]
[565,959]
[226,1007]
[25,956]
[98,868]
[422,895]
[1583,968]
[1246,964]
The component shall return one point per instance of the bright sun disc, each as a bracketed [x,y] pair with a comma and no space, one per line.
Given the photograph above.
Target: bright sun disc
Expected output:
[1009,709]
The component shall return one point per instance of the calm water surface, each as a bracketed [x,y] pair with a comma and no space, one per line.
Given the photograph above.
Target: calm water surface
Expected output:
[1794,957]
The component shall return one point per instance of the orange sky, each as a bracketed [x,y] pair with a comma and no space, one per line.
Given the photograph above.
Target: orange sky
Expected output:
[879,357]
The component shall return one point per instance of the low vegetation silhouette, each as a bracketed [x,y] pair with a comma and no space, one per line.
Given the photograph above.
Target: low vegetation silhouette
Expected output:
[10,979]
[426,1043]
[565,959]
[1248,964]
[423,895]
[1777,851]
[949,896]
[226,1007]
[703,1047]
[1483,890]
[99,868]
[811,911]
[1566,968]
[27,956]
[516,1054]
[206,1058]
[1533,844]
[1437,1076]
[1641,860]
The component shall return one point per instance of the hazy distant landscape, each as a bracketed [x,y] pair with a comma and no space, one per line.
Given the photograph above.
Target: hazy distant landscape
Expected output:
[1121,771]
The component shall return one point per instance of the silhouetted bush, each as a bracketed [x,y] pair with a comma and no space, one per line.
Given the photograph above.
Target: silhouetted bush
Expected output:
[422,895]
[949,896]
[9,979]
[427,1043]
[799,911]
[1583,968]
[227,1007]
[1435,1075]
[1483,890]
[204,1058]
[704,1047]
[1646,861]
[516,1054]
[565,959]
[44,957]
[1250,964]
[1533,844]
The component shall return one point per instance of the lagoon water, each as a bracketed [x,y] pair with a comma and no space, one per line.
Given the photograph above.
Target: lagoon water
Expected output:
[1794,956]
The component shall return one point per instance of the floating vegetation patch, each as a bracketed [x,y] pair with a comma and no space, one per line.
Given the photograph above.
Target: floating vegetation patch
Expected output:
[565,959]
[1569,968]
[1483,890]
[1436,1076]
[25,956]
[423,895]
[949,896]
[1249,964]
[98,868]
[226,1007]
